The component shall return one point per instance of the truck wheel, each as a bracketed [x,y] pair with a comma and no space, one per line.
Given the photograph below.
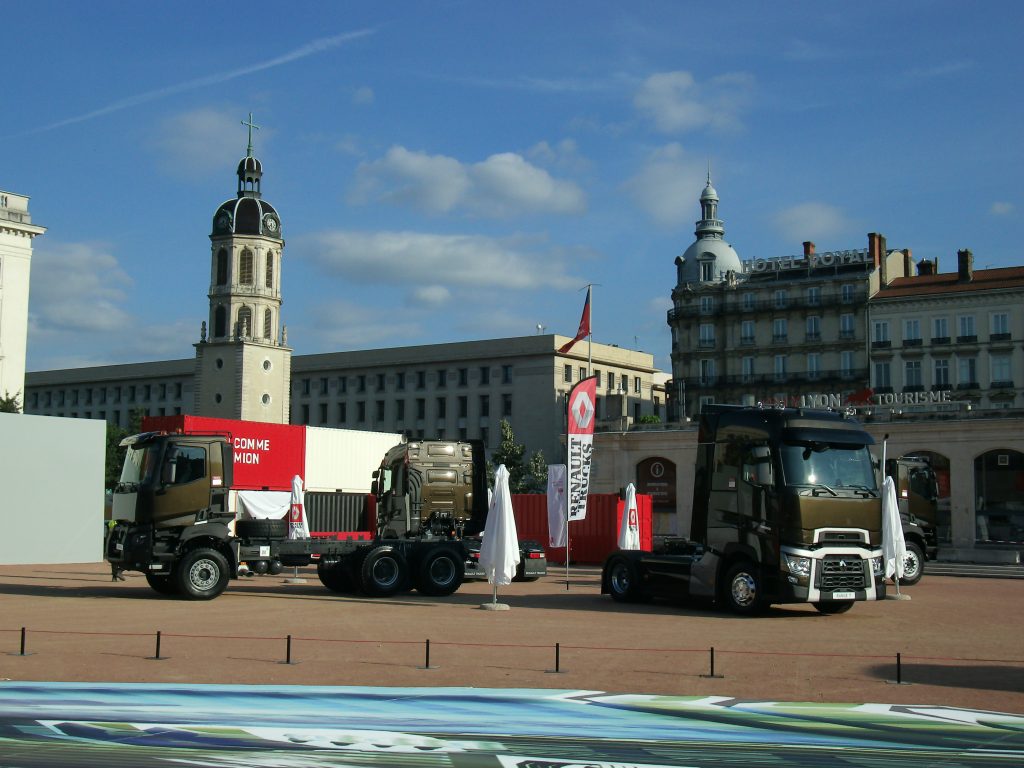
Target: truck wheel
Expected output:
[335,575]
[743,589]
[913,565]
[440,573]
[623,583]
[834,607]
[202,574]
[383,572]
[163,584]
[261,529]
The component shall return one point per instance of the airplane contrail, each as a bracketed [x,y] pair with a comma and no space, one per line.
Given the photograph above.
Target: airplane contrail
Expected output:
[309,49]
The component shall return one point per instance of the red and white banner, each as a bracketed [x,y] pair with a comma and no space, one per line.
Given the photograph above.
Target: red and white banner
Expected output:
[580,441]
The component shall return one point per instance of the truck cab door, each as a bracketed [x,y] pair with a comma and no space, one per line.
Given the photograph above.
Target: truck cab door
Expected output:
[182,493]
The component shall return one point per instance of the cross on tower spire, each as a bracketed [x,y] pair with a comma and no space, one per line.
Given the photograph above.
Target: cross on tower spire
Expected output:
[251,124]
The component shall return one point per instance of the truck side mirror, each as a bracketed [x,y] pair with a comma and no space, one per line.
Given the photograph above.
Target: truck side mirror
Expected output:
[373,486]
[758,470]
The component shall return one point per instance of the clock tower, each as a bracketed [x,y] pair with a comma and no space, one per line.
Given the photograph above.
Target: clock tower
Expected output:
[243,363]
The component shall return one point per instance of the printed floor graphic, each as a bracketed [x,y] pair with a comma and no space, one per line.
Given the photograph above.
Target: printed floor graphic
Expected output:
[90,724]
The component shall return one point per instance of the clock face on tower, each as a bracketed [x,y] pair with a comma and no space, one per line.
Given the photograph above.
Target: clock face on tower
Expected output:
[270,223]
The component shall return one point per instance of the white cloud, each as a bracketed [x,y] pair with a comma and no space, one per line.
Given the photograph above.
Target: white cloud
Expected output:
[502,185]
[197,142]
[675,102]
[363,96]
[77,287]
[665,186]
[342,325]
[811,221]
[1000,208]
[421,259]
[564,155]
[432,296]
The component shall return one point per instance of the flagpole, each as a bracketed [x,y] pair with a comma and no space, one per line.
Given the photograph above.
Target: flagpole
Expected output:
[590,330]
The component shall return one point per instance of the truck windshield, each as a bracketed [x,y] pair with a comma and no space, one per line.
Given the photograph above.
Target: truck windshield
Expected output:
[828,466]
[140,465]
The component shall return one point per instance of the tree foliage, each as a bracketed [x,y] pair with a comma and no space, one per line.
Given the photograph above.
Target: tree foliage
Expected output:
[523,476]
[10,403]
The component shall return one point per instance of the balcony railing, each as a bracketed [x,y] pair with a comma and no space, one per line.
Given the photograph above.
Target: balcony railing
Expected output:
[939,340]
[754,379]
[968,339]
[738,305]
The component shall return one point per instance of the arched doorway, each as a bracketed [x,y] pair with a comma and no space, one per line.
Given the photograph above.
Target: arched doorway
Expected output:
[999,497]
[656,477]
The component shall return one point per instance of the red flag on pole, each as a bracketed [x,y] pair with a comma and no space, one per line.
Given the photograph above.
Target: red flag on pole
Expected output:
[584,330]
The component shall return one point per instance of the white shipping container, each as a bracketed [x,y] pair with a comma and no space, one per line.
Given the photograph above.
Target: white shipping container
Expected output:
[344,459]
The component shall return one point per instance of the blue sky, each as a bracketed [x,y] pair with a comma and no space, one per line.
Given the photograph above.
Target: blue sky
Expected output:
[449,171]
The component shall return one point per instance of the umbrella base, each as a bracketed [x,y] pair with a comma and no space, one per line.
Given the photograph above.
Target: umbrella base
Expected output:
[494,606]
[900,596]
[293,580]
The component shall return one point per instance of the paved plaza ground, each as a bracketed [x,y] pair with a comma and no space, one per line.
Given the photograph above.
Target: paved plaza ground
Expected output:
[961,640]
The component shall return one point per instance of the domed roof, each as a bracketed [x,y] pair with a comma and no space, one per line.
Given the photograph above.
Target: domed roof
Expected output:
[247,216]
[249,165]
[709,193]
[708,249]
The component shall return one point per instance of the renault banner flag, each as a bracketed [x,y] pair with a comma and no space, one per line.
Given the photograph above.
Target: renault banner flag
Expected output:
[580,442]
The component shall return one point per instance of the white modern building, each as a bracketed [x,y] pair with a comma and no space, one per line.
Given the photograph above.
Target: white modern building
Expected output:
[16,235]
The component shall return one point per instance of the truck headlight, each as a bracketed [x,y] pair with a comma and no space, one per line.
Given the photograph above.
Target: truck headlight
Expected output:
[877,566]
[798,566]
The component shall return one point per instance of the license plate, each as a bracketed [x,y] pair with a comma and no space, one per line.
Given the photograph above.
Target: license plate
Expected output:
[843,595]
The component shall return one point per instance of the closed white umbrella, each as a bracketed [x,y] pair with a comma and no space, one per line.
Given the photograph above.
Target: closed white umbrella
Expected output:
[499,548]
[629,528]
[297,528]
[894,546]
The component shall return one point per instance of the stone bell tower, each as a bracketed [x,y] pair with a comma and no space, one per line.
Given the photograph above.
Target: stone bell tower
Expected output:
[243,363]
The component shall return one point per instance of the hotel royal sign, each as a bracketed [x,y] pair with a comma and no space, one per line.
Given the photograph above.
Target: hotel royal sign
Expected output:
[827,259]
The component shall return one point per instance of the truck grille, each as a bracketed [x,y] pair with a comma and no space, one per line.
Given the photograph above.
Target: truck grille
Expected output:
[842,572]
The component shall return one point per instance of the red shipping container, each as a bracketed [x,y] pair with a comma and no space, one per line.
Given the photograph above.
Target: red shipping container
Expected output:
[591,539]
[267,456]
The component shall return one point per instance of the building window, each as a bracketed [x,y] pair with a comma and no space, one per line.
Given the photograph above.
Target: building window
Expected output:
[707,305]
[323,413]
[747,332]
[583,373]
[968,372]
[268,324]
[400,410]
[506,405]
[463,377]
[442,407]
[813,366]
[846,326]
[442,378]
[304,410]
[912,330]
[421,379]
[748,369]
[707,271]
[597,376]
[611,380]
[342,414]
[780,299]
[637,387]
[780,329]
[245,321]
[342,385]
[485,374]
[380,411]
[846,293]
[567,374]
[222,267]
[361,411]
[940,330]
[941,370]
[813,328]
[707,335]
[779,368]
[707,373]
[846,364]
[323,385]
[361,382]
[883,375]
[813,296]
[381,382]
[421,408]
[912,373]
[485,405]
[748,302]
[268,275]
[965,324]
[1000,369]
[999,324]
[400,380]
[880,334]
[506,374]
[245,267]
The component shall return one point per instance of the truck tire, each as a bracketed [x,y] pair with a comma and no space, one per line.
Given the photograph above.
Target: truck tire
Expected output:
[261,529]
[623,581]
[201,574]
[743,589]
[384,572]
[335,575]
[913,565]
[163,584]
[440,573]
[834,607]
